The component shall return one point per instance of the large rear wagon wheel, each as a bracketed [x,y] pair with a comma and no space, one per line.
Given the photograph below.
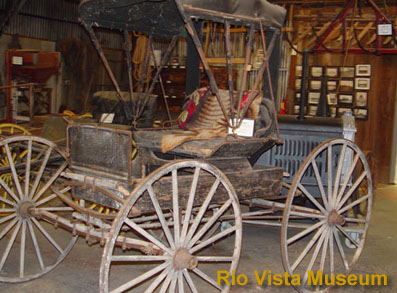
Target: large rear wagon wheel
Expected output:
[320,230]
[186,200]
[29,246]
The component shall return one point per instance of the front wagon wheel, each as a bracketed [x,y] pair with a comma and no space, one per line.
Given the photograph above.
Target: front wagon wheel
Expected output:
[182,248]
[320,229]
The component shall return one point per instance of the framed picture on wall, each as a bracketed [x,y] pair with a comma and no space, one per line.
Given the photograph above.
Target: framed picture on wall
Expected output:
[347,72]
[332,99]
[346,99]
[361,114]
[316,71]
[312,110]
[314,98]
[297,97]
[298,82]
[361,99]
[296,109]
[362,84]
[346,85]
[331,72]
[363,70]
[332,85]
[332,111]
[343,110]
[315,84]
[298,70]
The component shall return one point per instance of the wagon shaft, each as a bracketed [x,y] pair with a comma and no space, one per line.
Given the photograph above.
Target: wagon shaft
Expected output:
[92,234]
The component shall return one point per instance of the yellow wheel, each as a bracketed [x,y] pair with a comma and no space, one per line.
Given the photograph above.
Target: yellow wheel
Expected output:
[8,129]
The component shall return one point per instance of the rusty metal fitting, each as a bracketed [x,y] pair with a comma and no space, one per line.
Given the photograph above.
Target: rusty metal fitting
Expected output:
[184,260]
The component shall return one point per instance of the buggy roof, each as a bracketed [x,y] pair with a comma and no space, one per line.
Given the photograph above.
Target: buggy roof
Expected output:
[161,18]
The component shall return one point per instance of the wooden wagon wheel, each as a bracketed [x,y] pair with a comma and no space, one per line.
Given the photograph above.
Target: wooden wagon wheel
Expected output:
[28,248]
[187,190]
[314,242]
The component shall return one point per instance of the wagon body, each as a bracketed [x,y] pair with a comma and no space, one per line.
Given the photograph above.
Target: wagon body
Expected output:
[103,154]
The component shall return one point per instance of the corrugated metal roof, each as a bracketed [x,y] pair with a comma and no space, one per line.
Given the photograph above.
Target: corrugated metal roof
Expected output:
[54,20]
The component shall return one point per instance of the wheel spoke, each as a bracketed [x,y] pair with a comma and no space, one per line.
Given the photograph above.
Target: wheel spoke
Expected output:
[351,190]
[215,258]
[329,170]
[190,204]
[312,199]
[208,225]
[148,236]
[40,173]
[353,204]
[348,174]
[5,219]
[305,232]
[347,235]
[324,253]
[22,250]
[213,239]
[161,217]
[320,183]
[9,245]
[331,249]
[339,172]
[175,278]
[50,181]
[175,202]
[27,173]
[51,197]
[10,192]
[181,286]
[56,209]
[158,280]
[352,220]
[307,248]
[340,248]
[190,281]
[139,258]
[314,257]
[141,278]
[35,244]
[202,210]
[167,282]
[7,228]
[48,236]
[14,171]
[207,278]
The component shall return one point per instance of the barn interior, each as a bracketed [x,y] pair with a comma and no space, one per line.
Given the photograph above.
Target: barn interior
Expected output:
[279,114]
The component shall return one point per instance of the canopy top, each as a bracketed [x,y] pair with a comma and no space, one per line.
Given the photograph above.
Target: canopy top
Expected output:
[161,18]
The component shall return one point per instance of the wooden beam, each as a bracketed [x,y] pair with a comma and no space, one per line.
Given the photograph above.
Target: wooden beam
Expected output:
[319,33]
[363,32]
[222,60]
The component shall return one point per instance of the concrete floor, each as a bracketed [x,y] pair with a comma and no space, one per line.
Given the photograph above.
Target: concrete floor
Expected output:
[261,250]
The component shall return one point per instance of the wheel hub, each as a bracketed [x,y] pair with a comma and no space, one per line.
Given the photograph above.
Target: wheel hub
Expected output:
[25,209]
[184,260]
[335,219]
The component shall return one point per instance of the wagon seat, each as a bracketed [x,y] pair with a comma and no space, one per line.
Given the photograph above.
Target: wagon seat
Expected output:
[203,131]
